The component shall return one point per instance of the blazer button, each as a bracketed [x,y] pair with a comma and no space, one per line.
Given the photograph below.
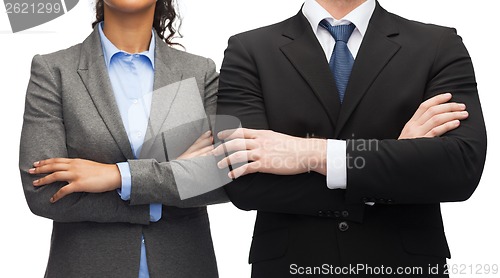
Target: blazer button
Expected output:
[343,226]
[345,214]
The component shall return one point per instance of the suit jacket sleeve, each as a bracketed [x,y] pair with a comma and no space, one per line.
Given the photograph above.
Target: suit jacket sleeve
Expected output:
[441,169]
[410,171]
[154,182]
[240,95]
[43,136]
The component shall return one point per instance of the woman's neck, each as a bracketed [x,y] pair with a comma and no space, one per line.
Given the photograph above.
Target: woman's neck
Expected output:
[130,32]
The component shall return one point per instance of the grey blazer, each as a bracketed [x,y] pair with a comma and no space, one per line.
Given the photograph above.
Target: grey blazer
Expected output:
[71,112]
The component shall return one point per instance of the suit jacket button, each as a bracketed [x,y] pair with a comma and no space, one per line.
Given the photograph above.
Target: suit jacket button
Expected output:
[321,213]
[343,226]
[345,214]
[337,214]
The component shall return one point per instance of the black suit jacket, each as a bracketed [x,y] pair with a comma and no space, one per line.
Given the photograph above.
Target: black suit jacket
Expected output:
[277,78]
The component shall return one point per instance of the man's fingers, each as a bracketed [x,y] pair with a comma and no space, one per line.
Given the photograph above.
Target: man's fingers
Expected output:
[219,150]
[57,176]
[433,101]
[443,118]
[64,191]
[231,134]
[234,146]
[235,158]
[440,109]
[442,129]
[246,169]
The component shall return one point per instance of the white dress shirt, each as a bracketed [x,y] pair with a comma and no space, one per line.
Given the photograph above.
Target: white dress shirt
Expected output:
[336,176]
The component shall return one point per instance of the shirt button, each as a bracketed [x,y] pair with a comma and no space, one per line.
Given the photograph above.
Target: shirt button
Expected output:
[135,101]
[139,134]
[143,241]
[343,226]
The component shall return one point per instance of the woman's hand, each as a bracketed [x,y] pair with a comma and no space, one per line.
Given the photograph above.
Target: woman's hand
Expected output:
[201,147]
[435,117]
[81,175]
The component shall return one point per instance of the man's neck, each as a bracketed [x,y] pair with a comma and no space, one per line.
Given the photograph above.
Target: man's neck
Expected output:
[129,32]
[340,8]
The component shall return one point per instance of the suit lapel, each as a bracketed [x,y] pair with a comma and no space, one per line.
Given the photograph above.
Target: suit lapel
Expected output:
[167,82]
[166,85]
[92,70]
[306,55]
[376,50]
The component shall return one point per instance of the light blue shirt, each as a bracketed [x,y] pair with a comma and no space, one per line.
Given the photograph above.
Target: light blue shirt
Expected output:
[132,77]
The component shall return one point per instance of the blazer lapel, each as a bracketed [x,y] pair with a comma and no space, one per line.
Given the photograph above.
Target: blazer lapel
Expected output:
[166,85]
[376,50]
[167,82]
[307,56]
[94,75]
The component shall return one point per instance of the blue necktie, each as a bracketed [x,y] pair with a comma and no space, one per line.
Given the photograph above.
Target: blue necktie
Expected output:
[342,60]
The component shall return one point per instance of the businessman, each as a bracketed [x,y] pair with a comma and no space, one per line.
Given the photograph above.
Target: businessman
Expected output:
[346,177]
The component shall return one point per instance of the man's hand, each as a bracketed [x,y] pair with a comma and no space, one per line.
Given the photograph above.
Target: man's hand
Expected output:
[81,175]
[270,152]
[434,118]
[275,153]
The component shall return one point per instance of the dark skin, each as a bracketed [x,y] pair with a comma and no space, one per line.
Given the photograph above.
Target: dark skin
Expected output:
[127,19]
[433,118]
[128,26]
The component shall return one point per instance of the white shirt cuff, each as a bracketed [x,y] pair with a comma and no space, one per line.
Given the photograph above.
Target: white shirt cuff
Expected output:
[126,188]
[336,164]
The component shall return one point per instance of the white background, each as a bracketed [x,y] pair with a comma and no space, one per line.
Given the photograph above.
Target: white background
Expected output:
[471,227]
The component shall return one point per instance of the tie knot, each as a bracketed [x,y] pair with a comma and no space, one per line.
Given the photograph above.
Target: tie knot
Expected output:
[339,32]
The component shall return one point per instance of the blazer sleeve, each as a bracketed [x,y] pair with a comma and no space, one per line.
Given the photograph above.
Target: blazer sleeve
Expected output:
[441,169]
[155,182]
[43,136]
[240,95]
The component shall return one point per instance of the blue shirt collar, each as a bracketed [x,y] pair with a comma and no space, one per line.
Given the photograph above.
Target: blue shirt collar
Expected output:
[109,49]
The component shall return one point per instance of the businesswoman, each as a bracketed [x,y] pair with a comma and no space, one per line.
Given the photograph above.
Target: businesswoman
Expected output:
[109,126]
